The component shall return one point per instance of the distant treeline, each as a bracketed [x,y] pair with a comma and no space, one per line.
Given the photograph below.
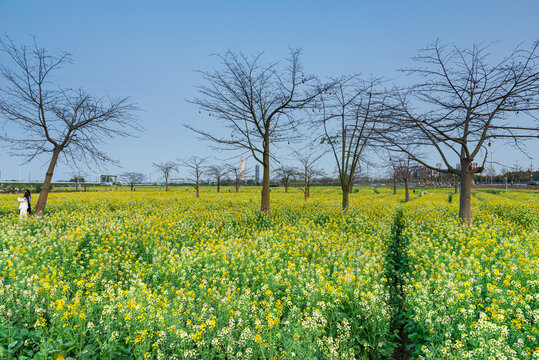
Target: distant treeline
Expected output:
[517,177]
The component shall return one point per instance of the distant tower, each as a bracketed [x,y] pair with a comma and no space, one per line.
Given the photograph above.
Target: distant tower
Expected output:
[242,169]
[257,172]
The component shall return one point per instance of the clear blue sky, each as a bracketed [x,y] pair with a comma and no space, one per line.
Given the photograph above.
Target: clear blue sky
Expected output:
[148,51]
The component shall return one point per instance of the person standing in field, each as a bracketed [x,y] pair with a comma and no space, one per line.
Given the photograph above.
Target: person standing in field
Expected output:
[23,206]
[29,200]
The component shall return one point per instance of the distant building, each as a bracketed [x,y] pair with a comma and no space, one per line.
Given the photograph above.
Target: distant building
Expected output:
[418,171]
[108,179]
[423,172]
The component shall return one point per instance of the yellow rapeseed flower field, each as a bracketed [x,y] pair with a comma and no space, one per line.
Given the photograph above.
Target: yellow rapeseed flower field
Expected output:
[155,275]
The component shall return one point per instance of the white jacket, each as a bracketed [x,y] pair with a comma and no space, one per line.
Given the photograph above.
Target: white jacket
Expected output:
[23,203]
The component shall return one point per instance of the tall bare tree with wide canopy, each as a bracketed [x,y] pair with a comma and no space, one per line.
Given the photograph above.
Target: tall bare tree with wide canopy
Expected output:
[350,112]
[461,103]
[39,117]
[255,103]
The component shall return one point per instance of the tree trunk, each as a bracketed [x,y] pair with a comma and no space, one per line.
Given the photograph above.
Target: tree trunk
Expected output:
[166,183]
[406,191]
[394,185]
[237,186]
[465,209]
[345,197]
[42,201]
[286,187]
[265,202]
[218,185]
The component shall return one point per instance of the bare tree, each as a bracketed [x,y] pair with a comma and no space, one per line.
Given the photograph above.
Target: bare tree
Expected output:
[401,172]
[133,178]
[307,171]
[255,102]
[391,165]
[196,166]
[166,169]
[78,178]
[285,174]
[461,104]
[40,117]
[218,172]
[236,171]
[350,114]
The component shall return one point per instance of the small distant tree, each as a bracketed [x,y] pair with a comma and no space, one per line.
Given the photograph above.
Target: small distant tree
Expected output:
[285,174]
[504,173]
[237,175]
[166,169]
[78,178]
[133,178]
[307,170]
[515,170]
[197,168]
[218,172]
[392,173]
[401,171]
[40,117]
